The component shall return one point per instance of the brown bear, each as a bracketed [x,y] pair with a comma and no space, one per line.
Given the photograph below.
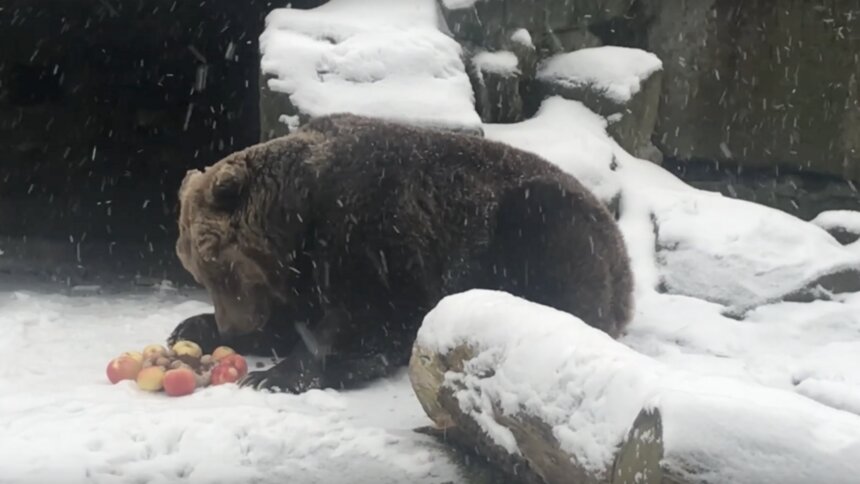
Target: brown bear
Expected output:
[329,245]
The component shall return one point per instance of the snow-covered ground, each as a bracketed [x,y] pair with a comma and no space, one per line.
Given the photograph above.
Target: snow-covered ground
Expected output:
[697,257]
[61,421]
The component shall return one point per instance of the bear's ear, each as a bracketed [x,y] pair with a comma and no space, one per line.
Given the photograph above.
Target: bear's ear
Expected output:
[228,184]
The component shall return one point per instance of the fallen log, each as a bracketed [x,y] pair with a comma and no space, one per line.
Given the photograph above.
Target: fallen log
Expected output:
[548,399]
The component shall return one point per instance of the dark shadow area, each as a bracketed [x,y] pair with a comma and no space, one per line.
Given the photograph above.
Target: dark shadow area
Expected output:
[800,193]
[104,105]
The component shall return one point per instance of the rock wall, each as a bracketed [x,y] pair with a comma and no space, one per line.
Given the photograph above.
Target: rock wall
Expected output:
[760,83]
[752,82]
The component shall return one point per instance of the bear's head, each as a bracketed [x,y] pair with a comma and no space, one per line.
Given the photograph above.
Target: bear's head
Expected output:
[242,222]
[217,246]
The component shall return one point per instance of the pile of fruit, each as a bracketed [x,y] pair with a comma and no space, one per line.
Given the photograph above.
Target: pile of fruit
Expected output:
[178,370]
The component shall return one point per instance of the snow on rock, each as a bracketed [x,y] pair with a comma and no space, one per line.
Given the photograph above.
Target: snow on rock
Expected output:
[458,4]
[63,422]
[835,394]
[843,225]
[569,135]
[616,71]
[811,348]
[383,58]
[534,360]
[742,254]
[523,37]
[697,243]
[711,249]
[849,219]
[544,363]
[502,62]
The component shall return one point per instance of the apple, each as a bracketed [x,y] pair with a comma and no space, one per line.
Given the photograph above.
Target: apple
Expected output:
[124,367]
[237,362]
[151,379]
[153,352]
[187,348]
[134,354]
[179,382]
[221,352]
[224,374]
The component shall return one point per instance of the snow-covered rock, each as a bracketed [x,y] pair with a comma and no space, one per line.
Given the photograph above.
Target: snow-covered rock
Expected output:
[843,225]
[743,255]
[618,73]
[691,242]
[496,82]
[620,83]
[383,58]
[572,137]
[531,360]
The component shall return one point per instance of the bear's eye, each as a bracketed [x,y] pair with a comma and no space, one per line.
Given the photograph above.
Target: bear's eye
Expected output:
[228,185]
[226,194]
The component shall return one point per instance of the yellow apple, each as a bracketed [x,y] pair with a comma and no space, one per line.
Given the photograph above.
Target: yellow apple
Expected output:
[151,379]
[187,348]
[153,352]
[221,352]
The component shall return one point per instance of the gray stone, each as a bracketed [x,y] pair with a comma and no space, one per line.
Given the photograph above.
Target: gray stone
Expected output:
[633,126]
[804,195]
[497,91]
[556,25]
[760,85]
[566,40]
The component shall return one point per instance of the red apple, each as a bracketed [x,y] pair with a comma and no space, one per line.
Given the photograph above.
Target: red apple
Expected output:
[237,362]
[125,367]
[151,379]
[179,382]
[221,352]
[224,374]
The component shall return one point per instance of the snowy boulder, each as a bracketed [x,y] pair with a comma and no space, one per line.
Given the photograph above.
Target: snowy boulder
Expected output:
[544,395]
[843,225]
[500,77]
[619,83]
[496,81]
[369,57]
[743,255]
[570,136]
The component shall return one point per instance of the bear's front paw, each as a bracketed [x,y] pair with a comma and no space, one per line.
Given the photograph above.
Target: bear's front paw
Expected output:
[200,329]
[286,376]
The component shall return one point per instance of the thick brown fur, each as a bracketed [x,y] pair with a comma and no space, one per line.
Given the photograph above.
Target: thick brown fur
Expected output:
[331,244]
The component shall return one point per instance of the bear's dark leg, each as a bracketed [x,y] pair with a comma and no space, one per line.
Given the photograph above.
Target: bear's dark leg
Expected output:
[302,371]
[315,362]
[203,330]
[303,366]
[200,329]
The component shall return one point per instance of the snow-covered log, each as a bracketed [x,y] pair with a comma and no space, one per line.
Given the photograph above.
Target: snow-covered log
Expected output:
[549,399]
